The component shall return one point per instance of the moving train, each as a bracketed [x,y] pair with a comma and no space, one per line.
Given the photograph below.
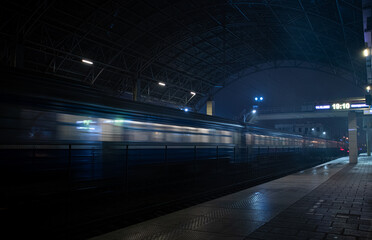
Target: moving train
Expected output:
[38,126]
[95,157]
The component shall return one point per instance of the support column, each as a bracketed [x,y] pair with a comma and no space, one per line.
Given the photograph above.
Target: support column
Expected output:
[137,88]
[367,124]
[368,141]
[18,60]
[210,108]
[367,15]
[353,136]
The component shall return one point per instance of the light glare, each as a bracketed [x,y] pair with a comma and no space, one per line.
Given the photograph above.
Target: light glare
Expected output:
[366,52]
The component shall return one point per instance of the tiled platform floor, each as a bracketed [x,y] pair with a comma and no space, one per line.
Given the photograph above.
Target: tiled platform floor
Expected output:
[340,208]
[330,201]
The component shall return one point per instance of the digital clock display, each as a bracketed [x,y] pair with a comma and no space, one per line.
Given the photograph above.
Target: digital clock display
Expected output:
[341,106]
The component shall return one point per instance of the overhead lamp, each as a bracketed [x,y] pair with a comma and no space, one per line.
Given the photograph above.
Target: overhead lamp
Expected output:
[87,61]
[193,93]
[162,84]
[366,52]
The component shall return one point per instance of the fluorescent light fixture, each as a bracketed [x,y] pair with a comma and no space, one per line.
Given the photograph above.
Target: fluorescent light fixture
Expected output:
[193,93]
[162,84]
[87,61]
[323,107]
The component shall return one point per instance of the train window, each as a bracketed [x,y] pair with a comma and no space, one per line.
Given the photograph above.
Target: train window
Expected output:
[248,138]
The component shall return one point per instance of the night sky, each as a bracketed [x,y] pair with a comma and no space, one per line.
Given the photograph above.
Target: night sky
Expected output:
[283,87]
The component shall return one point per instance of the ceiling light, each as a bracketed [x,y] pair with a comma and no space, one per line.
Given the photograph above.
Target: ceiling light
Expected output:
[87,61]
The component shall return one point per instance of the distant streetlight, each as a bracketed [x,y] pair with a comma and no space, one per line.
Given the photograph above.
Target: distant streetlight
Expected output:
[324,133]
[368,88]
[193,93]
[254,111]
[366,52]
[162,84]
[258,99]
[186,109]
[313,129]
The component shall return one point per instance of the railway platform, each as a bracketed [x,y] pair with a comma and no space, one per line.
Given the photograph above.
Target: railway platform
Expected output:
[329,201]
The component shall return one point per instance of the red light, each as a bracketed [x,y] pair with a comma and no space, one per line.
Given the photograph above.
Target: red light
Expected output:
[341,149]
[347,150]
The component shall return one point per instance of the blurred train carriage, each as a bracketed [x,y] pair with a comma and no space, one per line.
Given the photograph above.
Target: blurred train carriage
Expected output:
[70,161]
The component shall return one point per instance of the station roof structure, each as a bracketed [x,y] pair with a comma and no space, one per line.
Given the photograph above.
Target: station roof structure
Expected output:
[190,46]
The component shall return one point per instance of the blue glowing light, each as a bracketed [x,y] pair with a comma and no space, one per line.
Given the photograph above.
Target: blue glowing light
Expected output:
[320,107]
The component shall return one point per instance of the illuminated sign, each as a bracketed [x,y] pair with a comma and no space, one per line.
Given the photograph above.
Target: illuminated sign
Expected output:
[323,107]
[340,106]
[359,105]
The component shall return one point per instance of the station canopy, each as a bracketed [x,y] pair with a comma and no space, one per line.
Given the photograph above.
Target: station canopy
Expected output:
[188,46]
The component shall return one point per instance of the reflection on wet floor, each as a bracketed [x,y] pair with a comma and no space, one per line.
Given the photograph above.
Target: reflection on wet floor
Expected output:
[233,216]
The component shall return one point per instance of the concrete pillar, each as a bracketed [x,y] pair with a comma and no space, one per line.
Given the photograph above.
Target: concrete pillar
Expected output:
[353,136]
[210,108]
